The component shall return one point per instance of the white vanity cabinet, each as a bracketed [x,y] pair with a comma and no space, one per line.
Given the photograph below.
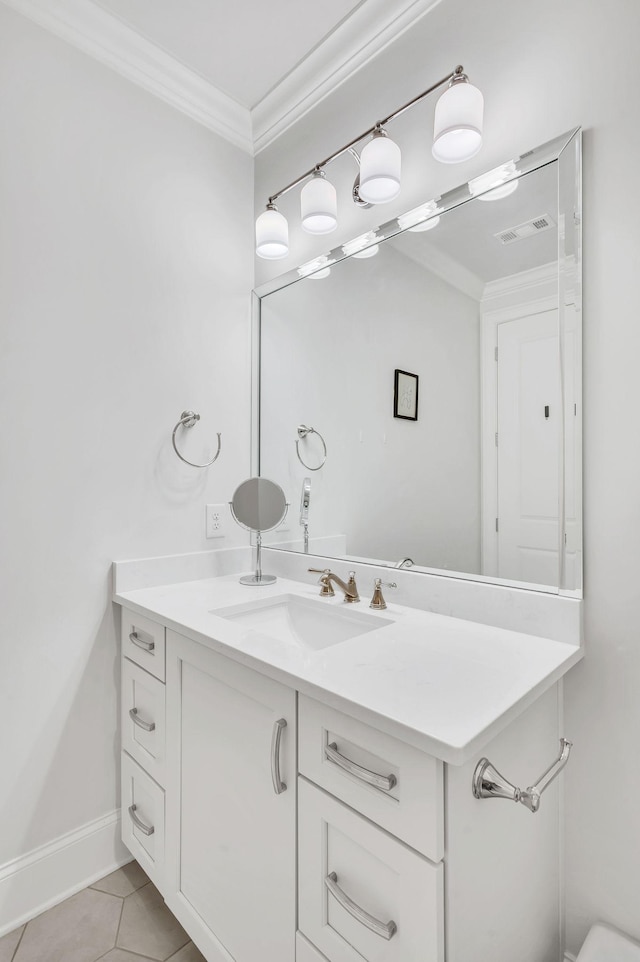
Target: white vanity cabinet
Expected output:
[287,830]
[231,805]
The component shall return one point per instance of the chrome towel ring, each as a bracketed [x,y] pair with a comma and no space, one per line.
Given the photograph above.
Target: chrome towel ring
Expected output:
[187,420]
[303,431]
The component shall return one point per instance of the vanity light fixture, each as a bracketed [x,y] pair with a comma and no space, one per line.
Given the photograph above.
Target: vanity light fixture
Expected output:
[457,137]
[319,205]
[496,183]
[420,218]
[363,246]
[316,269]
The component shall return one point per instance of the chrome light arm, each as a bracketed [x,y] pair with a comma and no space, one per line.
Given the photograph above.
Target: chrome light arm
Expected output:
[489,783]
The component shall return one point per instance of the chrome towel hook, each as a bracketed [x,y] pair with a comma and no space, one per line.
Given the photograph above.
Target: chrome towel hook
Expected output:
[303,431]
[187,420]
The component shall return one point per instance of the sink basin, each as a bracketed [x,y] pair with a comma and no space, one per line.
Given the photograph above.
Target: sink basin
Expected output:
[309,624]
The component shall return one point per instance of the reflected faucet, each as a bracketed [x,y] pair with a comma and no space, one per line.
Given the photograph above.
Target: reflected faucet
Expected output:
[350,590]
[406,563]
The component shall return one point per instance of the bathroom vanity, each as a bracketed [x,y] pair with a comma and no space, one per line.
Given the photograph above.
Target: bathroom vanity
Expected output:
[297,775]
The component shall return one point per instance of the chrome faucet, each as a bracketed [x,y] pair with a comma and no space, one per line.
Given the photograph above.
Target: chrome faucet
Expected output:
[327,577]
[406,563]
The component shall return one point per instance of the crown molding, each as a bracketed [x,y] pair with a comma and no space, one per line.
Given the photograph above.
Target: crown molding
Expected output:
[371,28]
[109,40]
[523,282]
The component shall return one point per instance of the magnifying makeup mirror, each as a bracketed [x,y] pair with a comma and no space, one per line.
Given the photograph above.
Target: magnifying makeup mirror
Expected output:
[258,505]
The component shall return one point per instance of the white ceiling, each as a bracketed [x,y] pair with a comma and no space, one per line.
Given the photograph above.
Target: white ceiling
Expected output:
[242,47]
[246,69]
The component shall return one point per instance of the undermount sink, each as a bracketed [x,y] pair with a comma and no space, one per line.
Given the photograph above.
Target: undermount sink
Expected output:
[309,624]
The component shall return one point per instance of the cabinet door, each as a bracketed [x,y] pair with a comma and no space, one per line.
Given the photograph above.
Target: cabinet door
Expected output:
[230,834]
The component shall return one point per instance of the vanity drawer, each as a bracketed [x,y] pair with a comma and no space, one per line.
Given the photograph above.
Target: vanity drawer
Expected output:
[143,719]
[143,819]
[363,894]
[143,642]
[407,801]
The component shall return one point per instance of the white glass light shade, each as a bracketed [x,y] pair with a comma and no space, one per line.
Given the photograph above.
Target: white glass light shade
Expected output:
[425,225]
[496,183]
[457,128]
[319,206]
[380,164]
[316,269]
[368,251]
[420,218]
[272,235]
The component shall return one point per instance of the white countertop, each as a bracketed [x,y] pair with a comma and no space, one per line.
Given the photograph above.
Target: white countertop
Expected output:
[442,684]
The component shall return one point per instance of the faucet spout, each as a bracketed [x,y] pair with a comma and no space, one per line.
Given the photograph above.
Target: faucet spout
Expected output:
[329,578]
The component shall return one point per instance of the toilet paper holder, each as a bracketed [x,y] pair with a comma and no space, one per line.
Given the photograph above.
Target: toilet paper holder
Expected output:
[489,783]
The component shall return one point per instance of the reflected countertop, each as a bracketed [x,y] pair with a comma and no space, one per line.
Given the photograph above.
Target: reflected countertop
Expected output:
[442,684]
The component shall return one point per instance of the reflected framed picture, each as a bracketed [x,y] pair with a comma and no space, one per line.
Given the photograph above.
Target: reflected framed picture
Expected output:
[405,395]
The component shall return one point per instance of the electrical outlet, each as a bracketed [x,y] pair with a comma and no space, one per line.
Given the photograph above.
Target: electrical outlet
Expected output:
[216,516]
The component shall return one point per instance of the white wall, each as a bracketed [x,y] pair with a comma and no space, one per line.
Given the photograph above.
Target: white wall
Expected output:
[328,354]
[125,271]
[543,68]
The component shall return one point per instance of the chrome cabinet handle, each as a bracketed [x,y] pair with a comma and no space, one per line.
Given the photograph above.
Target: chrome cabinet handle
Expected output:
[278,785]
[135,718]
[145,829]
[145,645]
[385,782]
[386,930]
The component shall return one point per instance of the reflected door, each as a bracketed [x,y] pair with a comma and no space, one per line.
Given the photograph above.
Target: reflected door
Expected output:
[529,432]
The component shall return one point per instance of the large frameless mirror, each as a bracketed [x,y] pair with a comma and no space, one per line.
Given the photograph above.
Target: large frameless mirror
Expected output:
[420,389]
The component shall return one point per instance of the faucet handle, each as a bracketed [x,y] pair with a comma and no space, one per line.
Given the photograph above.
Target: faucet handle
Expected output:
[378,601]
[353,588]
[326,590]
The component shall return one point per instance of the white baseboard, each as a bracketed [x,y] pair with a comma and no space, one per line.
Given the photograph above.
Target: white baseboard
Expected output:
[40,879]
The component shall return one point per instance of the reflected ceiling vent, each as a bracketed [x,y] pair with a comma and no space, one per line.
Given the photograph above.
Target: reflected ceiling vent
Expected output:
[537,225]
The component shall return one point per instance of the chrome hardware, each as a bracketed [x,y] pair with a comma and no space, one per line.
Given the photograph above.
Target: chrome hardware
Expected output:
[187,420]
[350,589]
[406,563]
[385,782]
[305,499]
[378,601]
[278,786]
[326,590]
[135,718]
[303,431]
[489,783]
[386,930]
[145,829]
[145,645]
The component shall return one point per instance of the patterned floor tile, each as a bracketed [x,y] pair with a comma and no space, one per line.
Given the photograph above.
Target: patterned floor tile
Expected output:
[123,881]
[119,955]
[8,944]
[188,954]
[81,929]
[148,927]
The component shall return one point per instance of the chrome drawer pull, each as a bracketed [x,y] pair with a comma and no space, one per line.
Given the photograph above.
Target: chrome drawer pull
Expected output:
[386,930]
[278,785]
[135,718]
[145,829]
[385,782]
[145,645]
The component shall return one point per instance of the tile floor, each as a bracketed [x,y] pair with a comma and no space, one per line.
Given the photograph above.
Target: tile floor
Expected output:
[121,918]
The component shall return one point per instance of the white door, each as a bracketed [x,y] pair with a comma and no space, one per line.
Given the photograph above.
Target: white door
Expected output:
[231,837]
[529,435]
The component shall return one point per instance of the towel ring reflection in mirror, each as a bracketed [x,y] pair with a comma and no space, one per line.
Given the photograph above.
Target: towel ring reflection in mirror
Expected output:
[303,431]
[187,420]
